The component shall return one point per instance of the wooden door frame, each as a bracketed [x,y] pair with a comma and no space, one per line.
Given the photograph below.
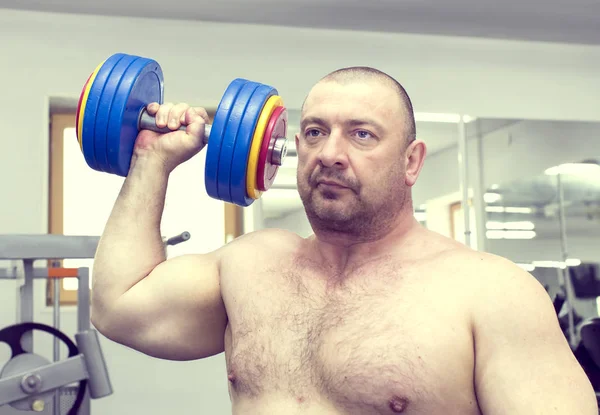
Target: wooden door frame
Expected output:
[58,123]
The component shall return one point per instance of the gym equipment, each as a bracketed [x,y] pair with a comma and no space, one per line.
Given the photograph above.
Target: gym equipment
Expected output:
[590,338]
[256,164]
[585,342]
[112,112]
[266,170]
[28,381]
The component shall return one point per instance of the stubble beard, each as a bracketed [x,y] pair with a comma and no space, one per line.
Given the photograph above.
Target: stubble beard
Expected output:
[350,215]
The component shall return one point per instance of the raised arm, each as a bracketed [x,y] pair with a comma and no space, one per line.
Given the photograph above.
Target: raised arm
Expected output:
[524,365]
[170,309]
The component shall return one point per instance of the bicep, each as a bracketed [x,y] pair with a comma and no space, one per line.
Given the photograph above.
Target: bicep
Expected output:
[524,364]
[176,312]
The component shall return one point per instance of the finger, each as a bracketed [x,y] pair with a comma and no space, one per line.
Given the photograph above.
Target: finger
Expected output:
[202,112]
[195,112]
[175,115]
[196,132]
[152,108]
[195,125]
[162,115]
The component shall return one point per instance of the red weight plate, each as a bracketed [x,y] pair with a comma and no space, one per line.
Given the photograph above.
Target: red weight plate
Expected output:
[276,128]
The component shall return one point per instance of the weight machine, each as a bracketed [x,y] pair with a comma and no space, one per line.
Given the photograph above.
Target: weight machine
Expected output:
[30,382]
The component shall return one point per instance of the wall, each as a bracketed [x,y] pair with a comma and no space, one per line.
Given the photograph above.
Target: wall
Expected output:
[50,55]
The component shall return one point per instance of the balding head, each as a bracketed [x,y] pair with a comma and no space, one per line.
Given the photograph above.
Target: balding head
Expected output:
[357,153]
[358,74]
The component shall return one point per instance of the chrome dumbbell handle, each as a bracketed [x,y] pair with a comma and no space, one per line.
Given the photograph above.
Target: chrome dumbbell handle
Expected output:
[277,148]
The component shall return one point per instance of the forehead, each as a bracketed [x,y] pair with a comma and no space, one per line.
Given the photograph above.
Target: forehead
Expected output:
[331,99]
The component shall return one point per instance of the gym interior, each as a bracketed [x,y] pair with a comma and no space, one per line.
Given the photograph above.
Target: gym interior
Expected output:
[507,105]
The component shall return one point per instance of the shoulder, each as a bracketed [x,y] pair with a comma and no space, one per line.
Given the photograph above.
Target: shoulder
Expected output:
[491,274]
[269,237]
[489,283]
[502,295]
[260,244]
[488,276]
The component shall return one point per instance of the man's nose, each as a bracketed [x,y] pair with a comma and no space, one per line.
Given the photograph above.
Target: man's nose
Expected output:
[334,151]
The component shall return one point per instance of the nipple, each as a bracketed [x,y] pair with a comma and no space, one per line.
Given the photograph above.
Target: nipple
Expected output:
[231,377]
[398,405]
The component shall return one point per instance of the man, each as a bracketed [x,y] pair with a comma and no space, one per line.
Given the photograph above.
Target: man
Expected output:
[373,314]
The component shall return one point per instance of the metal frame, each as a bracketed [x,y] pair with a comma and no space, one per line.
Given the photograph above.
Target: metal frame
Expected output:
[89,364]
[27,249]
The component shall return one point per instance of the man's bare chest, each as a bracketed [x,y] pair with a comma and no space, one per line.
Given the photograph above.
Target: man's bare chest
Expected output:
[368,343]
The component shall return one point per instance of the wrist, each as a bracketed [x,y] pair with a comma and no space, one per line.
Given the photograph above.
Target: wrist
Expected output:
[149,164]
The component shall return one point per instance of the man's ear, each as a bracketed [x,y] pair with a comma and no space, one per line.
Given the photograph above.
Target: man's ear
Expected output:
[414,159]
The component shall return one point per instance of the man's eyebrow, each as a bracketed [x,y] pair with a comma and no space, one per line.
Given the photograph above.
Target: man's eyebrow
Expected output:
[355,122]
[365,121]
[311,120]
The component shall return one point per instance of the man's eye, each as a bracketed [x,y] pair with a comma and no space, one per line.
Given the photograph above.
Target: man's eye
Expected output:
[312,133]
[364,135]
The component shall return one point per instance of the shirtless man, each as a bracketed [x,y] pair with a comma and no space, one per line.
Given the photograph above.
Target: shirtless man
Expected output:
[373,314]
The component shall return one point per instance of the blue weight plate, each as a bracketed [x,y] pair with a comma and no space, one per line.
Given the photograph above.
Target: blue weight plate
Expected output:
[141,84]
[104,106]
[243,142]
[91,109]
[220,122]
[228,144]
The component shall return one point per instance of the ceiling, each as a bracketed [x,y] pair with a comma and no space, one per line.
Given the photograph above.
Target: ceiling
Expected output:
[570,21]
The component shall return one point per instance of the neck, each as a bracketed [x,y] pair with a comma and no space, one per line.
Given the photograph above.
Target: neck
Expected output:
[341,250]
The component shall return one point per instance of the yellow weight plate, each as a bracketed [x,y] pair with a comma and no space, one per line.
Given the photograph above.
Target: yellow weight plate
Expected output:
[79,107]
[259,132]
[86,92]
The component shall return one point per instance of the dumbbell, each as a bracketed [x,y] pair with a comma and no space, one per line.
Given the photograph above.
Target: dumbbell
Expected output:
[246,143]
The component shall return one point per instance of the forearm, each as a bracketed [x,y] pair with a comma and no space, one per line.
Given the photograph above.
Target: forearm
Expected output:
[131,245]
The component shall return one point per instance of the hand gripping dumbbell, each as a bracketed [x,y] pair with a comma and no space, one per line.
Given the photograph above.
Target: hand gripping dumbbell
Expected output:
[246,143]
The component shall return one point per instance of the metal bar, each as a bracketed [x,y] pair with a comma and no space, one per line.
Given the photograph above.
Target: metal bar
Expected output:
[83,300]
[99,384]
[9,274]
[463,178]
[53,376]
[83,323]
[148,122]
[56,346]
[174,240]
[565,255]
[38,273]
[47,246]
[478,199]
[26,303]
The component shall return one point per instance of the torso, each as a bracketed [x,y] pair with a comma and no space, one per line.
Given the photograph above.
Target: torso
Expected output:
[385,338]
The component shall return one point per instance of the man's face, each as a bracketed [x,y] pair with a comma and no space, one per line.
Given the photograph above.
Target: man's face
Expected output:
[351,156]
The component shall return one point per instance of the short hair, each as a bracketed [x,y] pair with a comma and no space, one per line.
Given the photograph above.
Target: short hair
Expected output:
[359,73]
